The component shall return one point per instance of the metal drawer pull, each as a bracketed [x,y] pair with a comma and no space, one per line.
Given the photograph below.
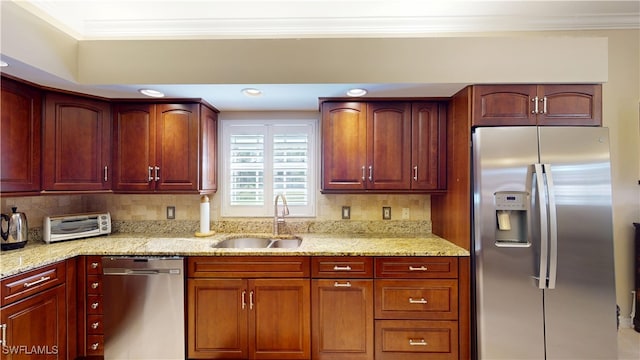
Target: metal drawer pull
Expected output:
[420,342]
[95,285]
[94,265]
[95,346]
[150,177]
[251,300]
[95,305]
[106,178]
[337,284]
[3,341]
[41,280]
[244,301]
[421,268]
[415,173]
[342,268]
[363,178]
[417,301]
[95,325]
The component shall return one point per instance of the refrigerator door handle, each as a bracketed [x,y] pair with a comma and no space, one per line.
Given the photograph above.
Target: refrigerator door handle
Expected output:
[553,229]
[544,237]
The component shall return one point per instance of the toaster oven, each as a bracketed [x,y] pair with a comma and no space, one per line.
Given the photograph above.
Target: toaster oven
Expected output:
[75,226]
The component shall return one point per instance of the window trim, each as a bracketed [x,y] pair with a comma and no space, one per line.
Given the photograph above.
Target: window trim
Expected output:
[266,210]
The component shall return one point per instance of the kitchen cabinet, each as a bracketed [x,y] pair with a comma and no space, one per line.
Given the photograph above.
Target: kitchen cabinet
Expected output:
[165,147]
[20,130]
[383,146]
[516,105]
[248,308]
[34,314]
[76,143]
[342,312]
[90,319]
[416,308]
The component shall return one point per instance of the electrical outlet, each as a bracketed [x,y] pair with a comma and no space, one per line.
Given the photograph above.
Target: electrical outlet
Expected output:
[171,212]
[386,213]
[405,214]
[346,212]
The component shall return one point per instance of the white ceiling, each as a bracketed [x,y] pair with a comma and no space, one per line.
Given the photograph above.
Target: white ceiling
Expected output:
[260,19]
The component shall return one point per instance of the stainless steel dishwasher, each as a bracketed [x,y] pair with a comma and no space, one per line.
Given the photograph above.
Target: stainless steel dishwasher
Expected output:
[143,308]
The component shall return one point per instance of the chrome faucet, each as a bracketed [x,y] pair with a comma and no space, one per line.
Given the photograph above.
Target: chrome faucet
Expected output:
[279,219]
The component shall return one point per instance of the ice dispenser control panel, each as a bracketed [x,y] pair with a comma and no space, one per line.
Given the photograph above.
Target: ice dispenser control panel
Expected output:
[510,201]
[511,218]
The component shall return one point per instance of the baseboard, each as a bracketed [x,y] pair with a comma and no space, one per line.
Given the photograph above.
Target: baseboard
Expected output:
[625,322]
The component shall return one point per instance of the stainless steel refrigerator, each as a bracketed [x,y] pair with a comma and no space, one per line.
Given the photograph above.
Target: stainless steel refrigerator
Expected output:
[543,244]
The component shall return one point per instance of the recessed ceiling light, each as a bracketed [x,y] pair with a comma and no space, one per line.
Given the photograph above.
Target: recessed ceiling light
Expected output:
[152,93]
[251,92]
[357,92]
[3,63]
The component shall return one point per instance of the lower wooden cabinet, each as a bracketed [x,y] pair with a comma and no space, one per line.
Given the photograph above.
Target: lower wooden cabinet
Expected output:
[416,339]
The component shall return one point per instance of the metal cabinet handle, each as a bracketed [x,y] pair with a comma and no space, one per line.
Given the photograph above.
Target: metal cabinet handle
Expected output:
[415,173]
[150,177]
[370,172]
[363,178]
[41,280]
[3,341]
[251,300]
[95,285]
[95,325]
[338,284]
[157,173]
[95,305]
[244,300]
[341,268]
[544,105]
[94,265]
[421,268]
[106,169]
[535,105]
[95,346]
[417,301]
[417,342]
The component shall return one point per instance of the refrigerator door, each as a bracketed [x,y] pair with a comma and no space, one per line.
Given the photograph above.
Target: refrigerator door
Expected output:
[580,311]
[508,302]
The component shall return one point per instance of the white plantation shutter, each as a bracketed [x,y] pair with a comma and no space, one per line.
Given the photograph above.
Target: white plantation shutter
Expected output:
[264,159]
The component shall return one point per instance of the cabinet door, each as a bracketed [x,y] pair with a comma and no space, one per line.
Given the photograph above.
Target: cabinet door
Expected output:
[342,319]
[504,105]
[36,327]
[208,149]
[134,147]
[428,149]
[570,105]
[389,145]
[344,146]
[279,319]
[217,319]
[20,131]
[77,143]
[177,147]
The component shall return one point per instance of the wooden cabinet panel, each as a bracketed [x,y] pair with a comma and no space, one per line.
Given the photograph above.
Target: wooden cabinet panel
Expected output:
[77,143]
[435,299]
[416,267]
[428,146]
[36,326]
[344,146]
[342,267]
[248,266]
[20,131]
[416,339]
[503,105]
[571,105]
[342,319]
[209,149]
[90,324]
[20,286]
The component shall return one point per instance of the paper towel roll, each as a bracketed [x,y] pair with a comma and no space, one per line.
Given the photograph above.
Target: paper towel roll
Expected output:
[204,214]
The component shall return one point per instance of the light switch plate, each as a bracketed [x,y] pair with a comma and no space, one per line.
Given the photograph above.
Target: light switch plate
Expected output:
[346,212]
[386,212]
[171,212]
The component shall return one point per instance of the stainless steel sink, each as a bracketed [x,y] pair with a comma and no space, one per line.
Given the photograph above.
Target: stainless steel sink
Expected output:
[258,243]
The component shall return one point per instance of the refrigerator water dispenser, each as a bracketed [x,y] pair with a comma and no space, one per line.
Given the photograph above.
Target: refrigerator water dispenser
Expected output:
[511,218]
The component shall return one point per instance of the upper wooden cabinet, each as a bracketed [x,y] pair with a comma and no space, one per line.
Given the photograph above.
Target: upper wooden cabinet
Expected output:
[164,147]
[383,146]
[568,105]
[20,131]
[76,144]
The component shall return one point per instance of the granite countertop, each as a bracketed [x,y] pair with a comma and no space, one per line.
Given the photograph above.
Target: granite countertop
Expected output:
[37,254]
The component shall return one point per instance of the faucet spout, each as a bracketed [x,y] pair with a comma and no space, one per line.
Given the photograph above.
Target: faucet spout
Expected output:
[279,218]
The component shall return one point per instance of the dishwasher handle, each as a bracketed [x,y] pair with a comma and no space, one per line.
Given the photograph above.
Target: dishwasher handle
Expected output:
[118,271]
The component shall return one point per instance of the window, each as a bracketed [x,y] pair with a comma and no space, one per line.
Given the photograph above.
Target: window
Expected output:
[264,159]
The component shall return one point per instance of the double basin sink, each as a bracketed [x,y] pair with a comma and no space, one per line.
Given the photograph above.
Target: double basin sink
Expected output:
[259,243]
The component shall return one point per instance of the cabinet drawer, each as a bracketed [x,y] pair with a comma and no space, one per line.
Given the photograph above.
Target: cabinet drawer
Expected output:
[22,285]
[95,324]
[94,265]
[249,266]
[95,345]
[94,304]
[94,284]
[417,267]
[419,339]
[416,299]
[341,267]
